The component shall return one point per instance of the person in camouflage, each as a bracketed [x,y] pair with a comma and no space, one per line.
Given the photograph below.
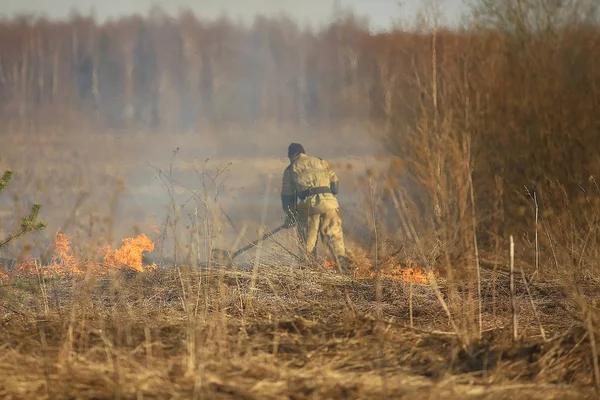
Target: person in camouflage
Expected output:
[308,198]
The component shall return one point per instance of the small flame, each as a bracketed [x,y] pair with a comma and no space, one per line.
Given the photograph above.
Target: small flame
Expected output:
[411,273]
[392,270]
[63,262]
[62,244]
[27,264]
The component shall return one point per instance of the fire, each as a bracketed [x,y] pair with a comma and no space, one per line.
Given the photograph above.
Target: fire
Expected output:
[416,275]
[409,274]
[391,270]
[62,244]
[62,263]
[130,253]
[65,263]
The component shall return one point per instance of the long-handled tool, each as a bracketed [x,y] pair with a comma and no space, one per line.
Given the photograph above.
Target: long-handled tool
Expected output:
[224,257]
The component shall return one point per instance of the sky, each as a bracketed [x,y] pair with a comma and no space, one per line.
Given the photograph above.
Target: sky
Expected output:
[381,13]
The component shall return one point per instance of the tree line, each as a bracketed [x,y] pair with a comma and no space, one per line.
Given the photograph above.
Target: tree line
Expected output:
[165,73]
[159,72]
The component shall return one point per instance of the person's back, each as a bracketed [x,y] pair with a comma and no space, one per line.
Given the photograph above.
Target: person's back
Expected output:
[312,179]
[308,198]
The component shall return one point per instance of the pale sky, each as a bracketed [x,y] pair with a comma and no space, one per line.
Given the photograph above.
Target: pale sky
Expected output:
[380,12]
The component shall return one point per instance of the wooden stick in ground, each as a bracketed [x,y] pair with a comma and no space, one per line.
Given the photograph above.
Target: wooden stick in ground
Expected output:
[512,287]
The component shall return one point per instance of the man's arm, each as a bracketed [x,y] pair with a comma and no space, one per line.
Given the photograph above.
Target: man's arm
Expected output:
[334,182]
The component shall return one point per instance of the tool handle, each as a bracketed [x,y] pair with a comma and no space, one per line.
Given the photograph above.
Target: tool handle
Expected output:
[265,236]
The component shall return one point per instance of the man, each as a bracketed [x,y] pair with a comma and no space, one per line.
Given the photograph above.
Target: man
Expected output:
[308,198]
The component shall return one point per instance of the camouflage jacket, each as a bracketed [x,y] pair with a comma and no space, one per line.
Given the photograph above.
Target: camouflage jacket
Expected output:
[306,172]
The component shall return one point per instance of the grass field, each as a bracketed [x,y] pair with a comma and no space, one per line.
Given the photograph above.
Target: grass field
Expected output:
[270,327]
[276,331]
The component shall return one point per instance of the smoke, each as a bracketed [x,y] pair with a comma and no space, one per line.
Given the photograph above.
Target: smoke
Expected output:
[106,106]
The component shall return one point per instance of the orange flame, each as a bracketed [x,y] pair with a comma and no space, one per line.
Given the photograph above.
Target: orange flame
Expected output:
[28,265]
[392,270]
[409,274]
[64,262]
[130,253]
[62,244]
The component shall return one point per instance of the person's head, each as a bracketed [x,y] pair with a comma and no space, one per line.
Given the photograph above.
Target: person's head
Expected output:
[294,149]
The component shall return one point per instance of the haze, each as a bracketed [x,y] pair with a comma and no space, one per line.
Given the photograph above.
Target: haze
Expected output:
[381,13]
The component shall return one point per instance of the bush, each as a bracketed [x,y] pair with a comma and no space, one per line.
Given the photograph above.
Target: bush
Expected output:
[29,223]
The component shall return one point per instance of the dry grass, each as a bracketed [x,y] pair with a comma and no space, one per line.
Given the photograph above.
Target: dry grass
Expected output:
[301,334]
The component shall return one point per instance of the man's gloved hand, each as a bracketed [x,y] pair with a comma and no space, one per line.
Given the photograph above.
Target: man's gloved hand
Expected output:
[290,221]
[288,204]
[335,187]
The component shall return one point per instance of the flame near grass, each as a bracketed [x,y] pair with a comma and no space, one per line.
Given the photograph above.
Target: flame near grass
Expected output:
[406,274]
[130,252]
[129,255]
[391,270]
[65,263]
[62,262]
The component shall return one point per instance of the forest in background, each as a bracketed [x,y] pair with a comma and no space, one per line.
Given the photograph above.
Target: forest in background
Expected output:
[163,73]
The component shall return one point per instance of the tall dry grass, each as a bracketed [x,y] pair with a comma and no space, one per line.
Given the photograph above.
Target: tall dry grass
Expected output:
[501,154]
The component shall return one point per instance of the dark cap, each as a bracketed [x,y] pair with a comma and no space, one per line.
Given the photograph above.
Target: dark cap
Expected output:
[294,149]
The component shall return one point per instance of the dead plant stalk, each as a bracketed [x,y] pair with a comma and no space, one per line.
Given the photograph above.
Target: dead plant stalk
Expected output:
[512,288]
